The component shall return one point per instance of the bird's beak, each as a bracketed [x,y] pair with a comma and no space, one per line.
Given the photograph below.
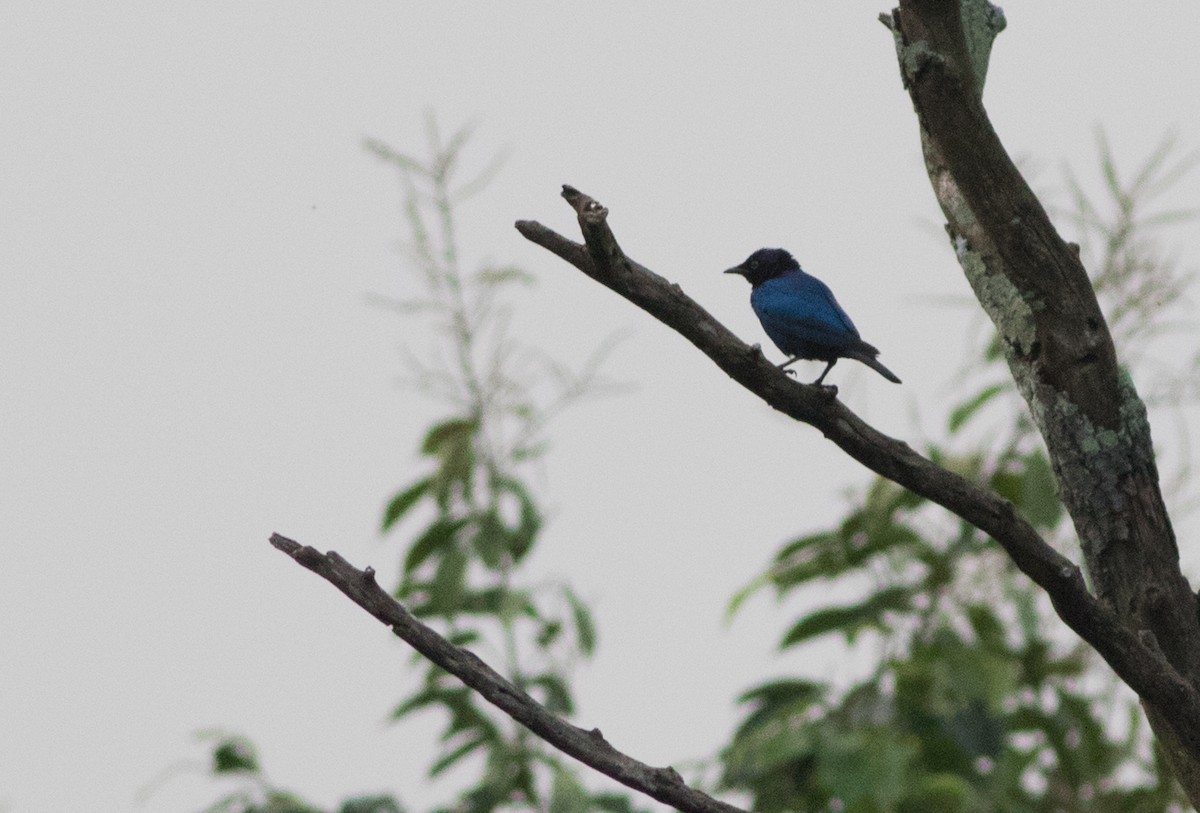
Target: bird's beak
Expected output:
[737,269]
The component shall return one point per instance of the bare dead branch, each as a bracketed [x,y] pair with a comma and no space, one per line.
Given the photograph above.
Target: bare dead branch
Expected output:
[589,747]
[601,258]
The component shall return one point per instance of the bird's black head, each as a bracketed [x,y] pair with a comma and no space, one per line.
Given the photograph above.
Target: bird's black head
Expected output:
[765,264]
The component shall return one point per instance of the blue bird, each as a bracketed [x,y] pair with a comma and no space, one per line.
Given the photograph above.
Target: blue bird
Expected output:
[801,316]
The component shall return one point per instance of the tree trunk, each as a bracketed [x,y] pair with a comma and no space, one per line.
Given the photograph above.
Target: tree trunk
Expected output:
[1059,350]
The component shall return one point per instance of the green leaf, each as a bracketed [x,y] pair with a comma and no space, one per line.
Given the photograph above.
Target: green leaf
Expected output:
[453,442]
[483,602]
[371,804]
[866,770]
[549,633]
[457,468]
[466,716]
[987,627]
[615,803]
[820,539]
[885,498]
[1039,492]
[556,695]
[848,620]
[507,777]
[527,529]
[960,685]
[963,413]
[777,692]
[995,348]
[808,557]
[446,433]
[940,565]
[458,753]
[524,783]
[1085,753]
[278,801]
[768,748]
[491,539]
[440,534]
[529,522]
[739,598]
[514,603]
[965,465]
[941,792]
[423,699]
[449,582]
[829,555]
[865,705]
[403,161]
[510,273]
[403,501]
[234,755]
[463,637]
[530,452]
[1008,484]
[585,630]
[1028,617]
[975,731]
[778,701]
[567,794]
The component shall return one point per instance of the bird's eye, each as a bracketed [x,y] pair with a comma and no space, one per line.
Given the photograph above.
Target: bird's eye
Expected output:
[753,264]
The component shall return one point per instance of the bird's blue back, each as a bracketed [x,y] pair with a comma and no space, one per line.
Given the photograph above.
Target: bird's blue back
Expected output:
[801,316]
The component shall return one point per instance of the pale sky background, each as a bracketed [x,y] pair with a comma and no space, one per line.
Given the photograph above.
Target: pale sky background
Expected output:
[189,228]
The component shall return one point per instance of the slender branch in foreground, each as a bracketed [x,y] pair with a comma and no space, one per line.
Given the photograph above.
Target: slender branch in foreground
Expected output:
[1135,657]
[589,747]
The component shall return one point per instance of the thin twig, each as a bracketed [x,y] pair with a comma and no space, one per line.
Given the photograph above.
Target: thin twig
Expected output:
[589,747]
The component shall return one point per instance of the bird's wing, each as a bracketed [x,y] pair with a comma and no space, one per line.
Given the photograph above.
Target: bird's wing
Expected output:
[834,310]
[802,309]
[788,329]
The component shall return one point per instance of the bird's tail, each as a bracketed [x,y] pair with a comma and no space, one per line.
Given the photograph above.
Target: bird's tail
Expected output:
[870,360]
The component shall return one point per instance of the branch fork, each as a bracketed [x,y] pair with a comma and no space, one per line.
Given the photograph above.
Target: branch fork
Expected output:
[1139,665]
[1142,620]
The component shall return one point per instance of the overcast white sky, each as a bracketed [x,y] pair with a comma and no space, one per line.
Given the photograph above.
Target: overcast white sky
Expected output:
[188,231]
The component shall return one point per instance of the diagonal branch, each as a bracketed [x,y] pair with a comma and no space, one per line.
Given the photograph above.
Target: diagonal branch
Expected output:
[1137,660]
[589,747]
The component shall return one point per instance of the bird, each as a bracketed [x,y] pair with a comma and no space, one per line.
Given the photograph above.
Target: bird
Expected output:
[801,316]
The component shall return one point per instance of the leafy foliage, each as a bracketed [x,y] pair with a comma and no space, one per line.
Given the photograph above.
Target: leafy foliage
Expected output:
[472,516]
[235,759]
[974,701]
[470,519]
